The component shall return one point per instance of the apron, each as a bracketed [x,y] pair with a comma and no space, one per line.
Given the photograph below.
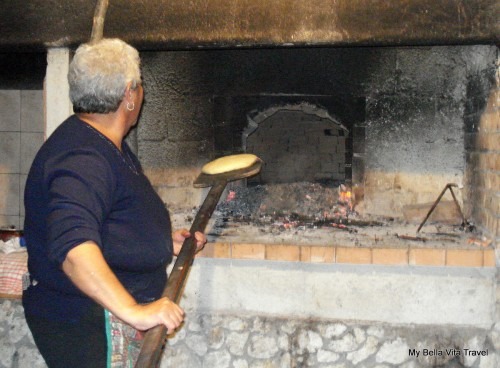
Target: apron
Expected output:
[124,343]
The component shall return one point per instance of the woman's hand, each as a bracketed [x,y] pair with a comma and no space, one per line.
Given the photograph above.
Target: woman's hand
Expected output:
[180,235]
[87,269]
[160,312]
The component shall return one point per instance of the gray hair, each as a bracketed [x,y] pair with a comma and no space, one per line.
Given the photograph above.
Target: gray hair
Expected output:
[99,73]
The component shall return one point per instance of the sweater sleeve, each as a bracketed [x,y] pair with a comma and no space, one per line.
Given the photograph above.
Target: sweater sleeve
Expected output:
[79,185]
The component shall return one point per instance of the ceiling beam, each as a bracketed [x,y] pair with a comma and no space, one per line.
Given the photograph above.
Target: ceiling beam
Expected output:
[180,24]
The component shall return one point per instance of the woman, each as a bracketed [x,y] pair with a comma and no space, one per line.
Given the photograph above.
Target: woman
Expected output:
[99,238]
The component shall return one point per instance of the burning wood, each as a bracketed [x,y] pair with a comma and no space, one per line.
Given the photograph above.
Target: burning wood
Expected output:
[315,210]
[480,242]
[294,206]
[345,196]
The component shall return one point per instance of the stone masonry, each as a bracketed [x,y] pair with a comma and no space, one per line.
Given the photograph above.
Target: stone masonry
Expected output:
[231,341]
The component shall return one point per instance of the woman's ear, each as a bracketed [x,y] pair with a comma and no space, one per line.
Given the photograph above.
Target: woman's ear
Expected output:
[128,91]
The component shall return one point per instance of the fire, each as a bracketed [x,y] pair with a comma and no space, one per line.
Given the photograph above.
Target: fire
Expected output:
[231,196]
[345,196]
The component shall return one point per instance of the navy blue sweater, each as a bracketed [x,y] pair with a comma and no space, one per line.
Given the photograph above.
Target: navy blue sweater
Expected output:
[81,187]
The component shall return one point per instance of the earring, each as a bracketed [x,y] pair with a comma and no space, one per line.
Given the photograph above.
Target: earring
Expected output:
[130,108]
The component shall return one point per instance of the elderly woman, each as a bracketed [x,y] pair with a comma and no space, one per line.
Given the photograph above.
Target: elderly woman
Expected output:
[99,238]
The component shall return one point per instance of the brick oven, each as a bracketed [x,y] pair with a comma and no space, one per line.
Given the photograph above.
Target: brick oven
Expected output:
[362,113]
[395,125]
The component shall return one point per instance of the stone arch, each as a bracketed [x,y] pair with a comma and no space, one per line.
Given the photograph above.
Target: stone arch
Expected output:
[297,142]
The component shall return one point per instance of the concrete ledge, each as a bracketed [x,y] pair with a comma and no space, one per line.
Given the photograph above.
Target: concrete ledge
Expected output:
[395,294]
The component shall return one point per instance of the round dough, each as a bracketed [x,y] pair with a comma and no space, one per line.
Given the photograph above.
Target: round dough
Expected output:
[229,163]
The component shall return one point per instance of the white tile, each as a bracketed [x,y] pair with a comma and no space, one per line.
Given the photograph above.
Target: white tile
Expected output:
[10,107]
[32,111]
[30,144]
[9,194]
[7,222]
[22,186]
[10,152]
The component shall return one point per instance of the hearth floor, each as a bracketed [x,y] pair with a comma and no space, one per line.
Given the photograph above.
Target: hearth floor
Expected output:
[383,234]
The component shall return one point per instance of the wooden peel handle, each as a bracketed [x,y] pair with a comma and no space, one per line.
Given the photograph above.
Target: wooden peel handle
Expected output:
[154,339]
[98,23]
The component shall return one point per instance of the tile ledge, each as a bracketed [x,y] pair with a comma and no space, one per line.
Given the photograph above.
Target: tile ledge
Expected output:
[413,256]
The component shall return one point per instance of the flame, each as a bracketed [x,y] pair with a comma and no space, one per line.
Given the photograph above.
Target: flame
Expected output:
[230,196]
[345,196]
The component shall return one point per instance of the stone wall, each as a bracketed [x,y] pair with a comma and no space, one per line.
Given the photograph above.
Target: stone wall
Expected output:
[17,348]
[225,341]
[239,341]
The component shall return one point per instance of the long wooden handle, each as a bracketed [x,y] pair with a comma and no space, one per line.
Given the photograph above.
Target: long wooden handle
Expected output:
[154,339]
[98,23]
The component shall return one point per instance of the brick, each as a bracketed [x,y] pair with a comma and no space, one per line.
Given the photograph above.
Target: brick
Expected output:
[390,256]
[481,140]
[494,97]
[289,253]
[489,258]
[473,159]
[480,216]
[215,250]
[248,251]
[489,161]
[322,254]
[494,159]
[490,121]
[167,177]
[492,180]
[353,255]
[483,162]
[465,258]
[427,257]
[491,222]
[488,141]
[494,141]
[305,254]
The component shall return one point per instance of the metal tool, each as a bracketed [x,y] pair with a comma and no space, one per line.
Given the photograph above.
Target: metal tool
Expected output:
[154,339]
[448,186]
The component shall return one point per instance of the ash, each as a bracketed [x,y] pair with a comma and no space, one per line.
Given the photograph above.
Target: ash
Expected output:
[312,214]
[294,205]
[307,200]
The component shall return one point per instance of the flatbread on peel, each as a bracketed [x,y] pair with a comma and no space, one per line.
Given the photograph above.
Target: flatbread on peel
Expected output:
[229,163]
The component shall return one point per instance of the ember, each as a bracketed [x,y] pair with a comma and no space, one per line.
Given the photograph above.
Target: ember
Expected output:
[345,196]
[313,213]
[293,206]
[308,213]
